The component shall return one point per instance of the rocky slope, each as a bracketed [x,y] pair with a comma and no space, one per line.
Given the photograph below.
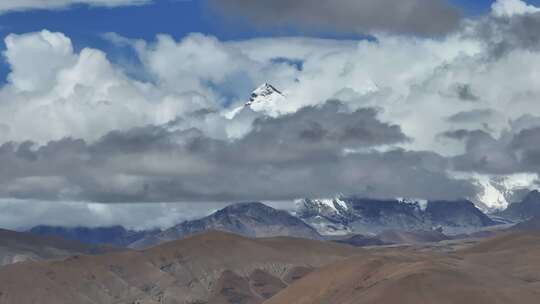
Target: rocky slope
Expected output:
[247,219]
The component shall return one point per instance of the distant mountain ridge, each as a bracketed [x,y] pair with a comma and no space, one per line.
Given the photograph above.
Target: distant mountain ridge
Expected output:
[312,219]
[246,219]
[528,208]
[21,246]
[342,216]
[530,225]
[116,236]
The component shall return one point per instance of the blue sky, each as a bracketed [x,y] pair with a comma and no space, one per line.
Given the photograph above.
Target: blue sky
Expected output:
[174,17]
[84,25]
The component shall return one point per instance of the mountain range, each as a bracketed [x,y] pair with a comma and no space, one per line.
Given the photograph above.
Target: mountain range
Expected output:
[341,216]
[254,254]
[526,209]
[16,247]
[496,192]
[247,219]
[312,219]
[116,236]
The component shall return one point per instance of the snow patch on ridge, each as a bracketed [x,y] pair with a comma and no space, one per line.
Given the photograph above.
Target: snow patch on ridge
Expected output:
[331,203]
[341,203]
[421,203]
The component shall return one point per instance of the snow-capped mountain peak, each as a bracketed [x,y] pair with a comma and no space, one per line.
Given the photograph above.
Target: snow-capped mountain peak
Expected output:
[328,216]
[264,94]
[265,99]
[347,215]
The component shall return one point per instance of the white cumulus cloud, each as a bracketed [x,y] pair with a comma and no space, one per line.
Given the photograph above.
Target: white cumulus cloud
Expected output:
[507,8]
[474,85]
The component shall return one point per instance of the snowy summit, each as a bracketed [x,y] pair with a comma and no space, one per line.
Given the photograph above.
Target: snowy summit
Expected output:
[264,94]
[265,99]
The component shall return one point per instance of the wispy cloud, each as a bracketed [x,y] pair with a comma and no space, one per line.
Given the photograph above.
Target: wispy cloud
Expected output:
[22,5]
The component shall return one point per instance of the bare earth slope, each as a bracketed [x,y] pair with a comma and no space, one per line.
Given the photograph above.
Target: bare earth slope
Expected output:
[223,268]
[213,267]
[505,269]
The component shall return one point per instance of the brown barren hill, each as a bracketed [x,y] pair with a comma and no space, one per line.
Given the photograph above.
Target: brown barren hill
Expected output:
[213,267]
[478,275]
[515,255]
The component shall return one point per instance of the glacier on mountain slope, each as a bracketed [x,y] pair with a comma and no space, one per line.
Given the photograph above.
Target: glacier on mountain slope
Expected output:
[497,192]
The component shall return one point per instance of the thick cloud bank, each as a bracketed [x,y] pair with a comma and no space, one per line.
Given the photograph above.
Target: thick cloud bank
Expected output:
[295,155]
[440,118]
[425,17]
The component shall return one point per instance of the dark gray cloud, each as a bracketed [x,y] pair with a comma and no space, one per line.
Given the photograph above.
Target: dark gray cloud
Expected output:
[504,34]
[526,144]
[461,91]
[524,122]
[325,130]
[424,17]
[484,154]
[476,116]
[465,92]
[479,118]
[296,155]
[515,151]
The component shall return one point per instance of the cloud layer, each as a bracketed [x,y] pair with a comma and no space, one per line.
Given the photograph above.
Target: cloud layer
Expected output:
[301,154]
[430,121]
[425,17]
